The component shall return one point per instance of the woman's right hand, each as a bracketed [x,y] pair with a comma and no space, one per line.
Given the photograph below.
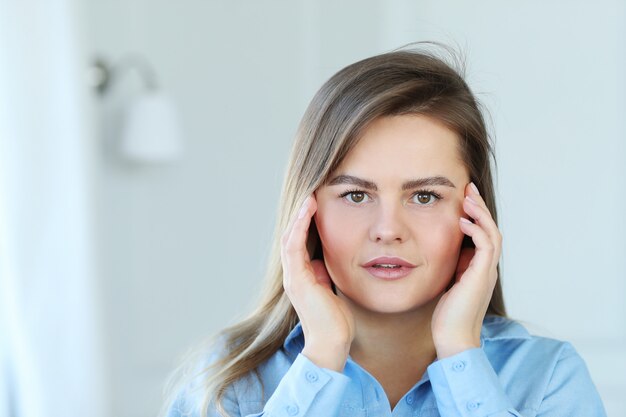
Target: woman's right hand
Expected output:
[327,322]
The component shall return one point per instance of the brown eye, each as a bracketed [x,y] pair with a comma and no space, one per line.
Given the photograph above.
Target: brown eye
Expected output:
[357,197]
[424,198]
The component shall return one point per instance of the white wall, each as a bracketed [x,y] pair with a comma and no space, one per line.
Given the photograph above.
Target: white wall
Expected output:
[183,246]
[50,341]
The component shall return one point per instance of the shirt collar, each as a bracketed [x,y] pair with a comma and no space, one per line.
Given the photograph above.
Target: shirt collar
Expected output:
[494,328]
[502,328]
[295,340]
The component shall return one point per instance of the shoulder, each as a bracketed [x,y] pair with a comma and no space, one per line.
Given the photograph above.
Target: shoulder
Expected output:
[539,373]
[504,336]
[187,388]
[243,395]
[515,353]
[500,331]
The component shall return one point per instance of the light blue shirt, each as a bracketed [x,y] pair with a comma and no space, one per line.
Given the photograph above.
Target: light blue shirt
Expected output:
[511,374]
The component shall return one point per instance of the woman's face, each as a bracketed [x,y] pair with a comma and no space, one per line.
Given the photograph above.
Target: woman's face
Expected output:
[374,206]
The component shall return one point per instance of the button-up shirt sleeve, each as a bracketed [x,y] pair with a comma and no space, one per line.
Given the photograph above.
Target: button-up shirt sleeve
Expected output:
[466,385]
[307,390]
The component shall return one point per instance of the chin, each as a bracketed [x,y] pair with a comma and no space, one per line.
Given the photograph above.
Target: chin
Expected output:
[391,302]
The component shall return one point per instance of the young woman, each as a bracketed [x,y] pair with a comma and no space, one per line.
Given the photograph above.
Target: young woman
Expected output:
[383,293]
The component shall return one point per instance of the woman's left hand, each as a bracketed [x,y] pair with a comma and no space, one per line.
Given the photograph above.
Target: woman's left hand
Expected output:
[458,316]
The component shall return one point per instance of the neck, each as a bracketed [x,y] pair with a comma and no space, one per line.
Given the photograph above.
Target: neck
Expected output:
[386,338]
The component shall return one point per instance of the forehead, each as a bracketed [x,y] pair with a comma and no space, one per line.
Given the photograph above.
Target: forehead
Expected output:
[405,146]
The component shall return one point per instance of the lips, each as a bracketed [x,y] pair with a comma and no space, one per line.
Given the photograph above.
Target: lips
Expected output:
[388,267]
[388,262]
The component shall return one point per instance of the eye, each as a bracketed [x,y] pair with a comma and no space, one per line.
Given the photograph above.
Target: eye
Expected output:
[354,196]
[426,197]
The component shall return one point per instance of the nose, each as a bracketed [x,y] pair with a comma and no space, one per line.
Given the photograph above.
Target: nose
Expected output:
[388,224]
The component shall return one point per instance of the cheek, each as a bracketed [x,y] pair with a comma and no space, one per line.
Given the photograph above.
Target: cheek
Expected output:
[334,230]
[444,237]
[336,245]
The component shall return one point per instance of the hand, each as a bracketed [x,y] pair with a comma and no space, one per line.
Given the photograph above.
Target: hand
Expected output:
[458,316]
[327,322]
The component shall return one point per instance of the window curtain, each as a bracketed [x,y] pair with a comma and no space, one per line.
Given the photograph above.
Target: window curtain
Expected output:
[50,350]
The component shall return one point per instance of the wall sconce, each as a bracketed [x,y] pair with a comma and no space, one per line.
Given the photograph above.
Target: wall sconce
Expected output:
[151,130]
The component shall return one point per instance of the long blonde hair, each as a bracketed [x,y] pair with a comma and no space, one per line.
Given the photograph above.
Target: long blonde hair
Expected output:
[405,81]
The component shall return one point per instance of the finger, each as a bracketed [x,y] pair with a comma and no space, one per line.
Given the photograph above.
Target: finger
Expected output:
[292,221]
[294,252]
[301,213]
[298,215]
[486,254]
[474,194]
[482,216]
[478,212]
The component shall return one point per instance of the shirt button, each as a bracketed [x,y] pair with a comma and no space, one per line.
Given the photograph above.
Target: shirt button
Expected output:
[292,410]
[472,405]
[311,376]
[410,399]
[458,366]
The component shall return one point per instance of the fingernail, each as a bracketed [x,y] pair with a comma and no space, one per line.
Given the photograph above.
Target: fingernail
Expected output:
[464,220]
[305,205]
[474,187]
[470,200]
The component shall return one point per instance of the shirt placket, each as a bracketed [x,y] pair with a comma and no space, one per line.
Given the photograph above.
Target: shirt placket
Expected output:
[374,400]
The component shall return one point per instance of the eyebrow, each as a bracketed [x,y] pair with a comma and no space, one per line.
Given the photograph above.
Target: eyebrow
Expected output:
[408,185]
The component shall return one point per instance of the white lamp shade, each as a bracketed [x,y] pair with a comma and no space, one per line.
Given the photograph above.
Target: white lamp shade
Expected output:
[151,132]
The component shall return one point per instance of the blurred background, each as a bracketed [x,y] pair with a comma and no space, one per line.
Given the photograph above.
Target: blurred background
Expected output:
[135,219]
